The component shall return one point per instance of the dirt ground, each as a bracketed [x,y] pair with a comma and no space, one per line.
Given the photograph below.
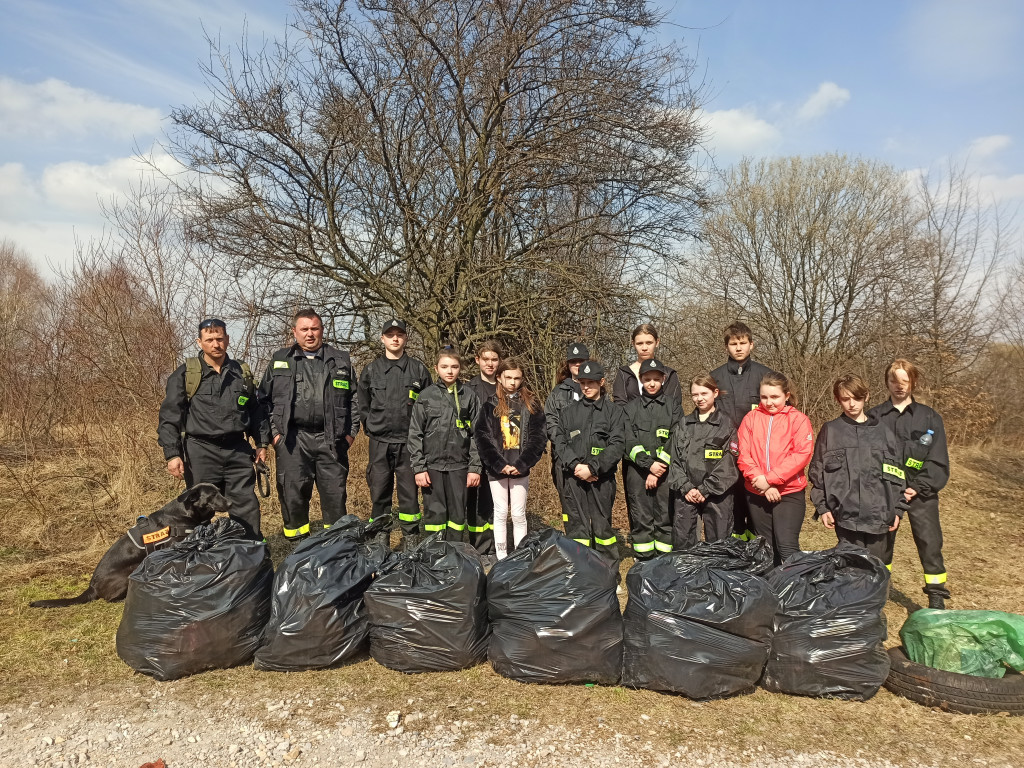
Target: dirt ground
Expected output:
[67,700]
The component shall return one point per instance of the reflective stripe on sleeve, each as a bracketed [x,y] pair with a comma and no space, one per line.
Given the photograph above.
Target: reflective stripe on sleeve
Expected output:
[637,450]
[606,542]
[889,469]
[663,457]
[915,464]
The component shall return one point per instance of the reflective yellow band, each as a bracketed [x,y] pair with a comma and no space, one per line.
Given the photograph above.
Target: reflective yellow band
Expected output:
[477,528]
[935,578]
[915,464]
[643,546]
[565,518]
[637,450]
[712,453]
[889,566]
[595,451]
[433,528]
[291,533]
[405,517]
[889,469]
[280,364]
[584,542]
[414,395]
[663,434]
[663,457]
[662,546]
[606,542]
[456,526]
[463,423]
[340,383]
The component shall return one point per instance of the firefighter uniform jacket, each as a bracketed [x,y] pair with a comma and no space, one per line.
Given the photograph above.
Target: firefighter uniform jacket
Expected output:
[739,388]
[441,430]
[223,408]
[856,476]
[387,391]
[626,387]
[704,455]
[590,432]
[567,391]
[278,390]
[926,466]
[649,421]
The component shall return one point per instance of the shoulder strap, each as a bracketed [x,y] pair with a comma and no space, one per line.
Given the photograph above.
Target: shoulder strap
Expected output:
[193,375]
[247,377]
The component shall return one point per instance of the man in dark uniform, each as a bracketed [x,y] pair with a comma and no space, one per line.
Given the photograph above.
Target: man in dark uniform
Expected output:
[739,386]
[308,391]
[206,419]
[388,387]
[479,504]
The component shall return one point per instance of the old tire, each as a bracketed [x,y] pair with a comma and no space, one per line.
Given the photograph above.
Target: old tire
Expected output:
[953,692]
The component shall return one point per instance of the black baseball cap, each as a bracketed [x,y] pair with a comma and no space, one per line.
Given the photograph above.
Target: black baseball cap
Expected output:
[577,350]
[653,365]
[591,370]
[391,324]
[211,322]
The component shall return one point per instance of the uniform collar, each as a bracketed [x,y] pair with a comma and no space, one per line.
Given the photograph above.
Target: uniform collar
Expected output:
[734,367]
[299,352]
[693,417]
[598,403]
[205,366]
[658,399]
[401,362]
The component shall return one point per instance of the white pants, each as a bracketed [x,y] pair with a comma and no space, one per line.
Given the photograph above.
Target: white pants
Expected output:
[509,493]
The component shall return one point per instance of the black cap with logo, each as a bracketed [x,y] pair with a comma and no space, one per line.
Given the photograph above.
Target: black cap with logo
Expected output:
[591,370]
[391,324]
[577,350]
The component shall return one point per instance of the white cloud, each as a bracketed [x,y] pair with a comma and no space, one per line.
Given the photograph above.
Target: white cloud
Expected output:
[45,214]
[737,132]
[827,98]
[1000,189]
[986,146]
[54,109]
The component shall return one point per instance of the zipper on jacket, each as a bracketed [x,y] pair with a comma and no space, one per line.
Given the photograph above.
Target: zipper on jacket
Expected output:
[767,442]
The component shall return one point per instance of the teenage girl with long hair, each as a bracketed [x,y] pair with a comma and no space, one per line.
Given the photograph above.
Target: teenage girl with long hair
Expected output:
[511,442]
[627,384]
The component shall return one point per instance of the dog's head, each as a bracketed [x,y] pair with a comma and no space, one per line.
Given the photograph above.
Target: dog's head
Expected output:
[203,501]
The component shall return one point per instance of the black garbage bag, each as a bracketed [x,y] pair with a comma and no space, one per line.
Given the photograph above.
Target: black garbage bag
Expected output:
[699,621]
[554,614]
[318,618]
[200,604]
[830,629]
[428,609]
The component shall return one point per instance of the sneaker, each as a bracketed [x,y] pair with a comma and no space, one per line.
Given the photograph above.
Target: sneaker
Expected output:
[937,602]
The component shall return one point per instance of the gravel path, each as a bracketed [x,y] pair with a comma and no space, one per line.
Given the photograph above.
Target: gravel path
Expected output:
[134,728]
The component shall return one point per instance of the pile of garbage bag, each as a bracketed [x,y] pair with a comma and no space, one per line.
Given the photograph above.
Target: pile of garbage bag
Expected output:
[830,629]
[200,604]
[318,617]
[699,621]
[554,614]
[428,609]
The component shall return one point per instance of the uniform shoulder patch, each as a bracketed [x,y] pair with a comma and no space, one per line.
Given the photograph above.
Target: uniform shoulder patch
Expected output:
[280,364]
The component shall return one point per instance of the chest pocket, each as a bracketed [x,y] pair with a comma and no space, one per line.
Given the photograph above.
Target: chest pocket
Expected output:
[713,452]
[835,460]
[342,380]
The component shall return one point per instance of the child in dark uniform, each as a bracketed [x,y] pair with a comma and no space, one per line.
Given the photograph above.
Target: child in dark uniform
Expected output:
[588,446]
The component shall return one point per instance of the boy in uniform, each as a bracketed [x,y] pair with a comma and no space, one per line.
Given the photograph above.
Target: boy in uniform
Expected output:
[388,388]
[479,504]
[650,419]
[739,382]
[442,449]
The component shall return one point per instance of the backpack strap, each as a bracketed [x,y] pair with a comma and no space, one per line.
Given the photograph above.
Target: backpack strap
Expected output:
[247,379]
[193,375]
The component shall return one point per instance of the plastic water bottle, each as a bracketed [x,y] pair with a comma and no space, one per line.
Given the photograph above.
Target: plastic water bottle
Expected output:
[926,438]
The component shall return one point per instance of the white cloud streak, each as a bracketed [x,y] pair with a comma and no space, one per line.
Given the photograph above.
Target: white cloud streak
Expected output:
[52,109]
[738,132]
[827,98]
[985,146]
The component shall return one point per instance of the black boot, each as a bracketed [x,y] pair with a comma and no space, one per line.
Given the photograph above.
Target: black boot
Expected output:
[937,602]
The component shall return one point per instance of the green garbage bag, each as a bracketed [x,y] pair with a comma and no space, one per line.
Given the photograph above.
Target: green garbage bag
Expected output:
[979,643]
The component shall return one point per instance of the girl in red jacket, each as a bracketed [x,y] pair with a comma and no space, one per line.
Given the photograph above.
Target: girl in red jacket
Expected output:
[776,442]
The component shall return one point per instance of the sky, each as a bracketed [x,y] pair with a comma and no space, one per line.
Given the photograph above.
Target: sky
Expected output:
[86,88]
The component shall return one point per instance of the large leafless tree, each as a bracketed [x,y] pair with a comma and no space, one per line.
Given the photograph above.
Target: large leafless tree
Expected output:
[481,167]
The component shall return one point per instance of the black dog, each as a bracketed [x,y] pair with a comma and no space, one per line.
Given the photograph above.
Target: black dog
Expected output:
[168,525]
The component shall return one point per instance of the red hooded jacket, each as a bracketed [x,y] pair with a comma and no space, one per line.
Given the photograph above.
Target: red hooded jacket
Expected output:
[778,446]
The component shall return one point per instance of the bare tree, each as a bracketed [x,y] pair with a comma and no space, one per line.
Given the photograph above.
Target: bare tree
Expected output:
[481,167]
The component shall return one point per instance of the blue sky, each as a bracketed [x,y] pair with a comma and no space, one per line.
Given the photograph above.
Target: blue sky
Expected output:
[84,86]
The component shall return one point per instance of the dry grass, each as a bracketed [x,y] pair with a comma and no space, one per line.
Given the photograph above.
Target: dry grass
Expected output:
[48,655]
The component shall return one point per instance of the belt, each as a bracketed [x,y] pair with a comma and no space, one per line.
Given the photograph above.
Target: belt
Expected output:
[231,438]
